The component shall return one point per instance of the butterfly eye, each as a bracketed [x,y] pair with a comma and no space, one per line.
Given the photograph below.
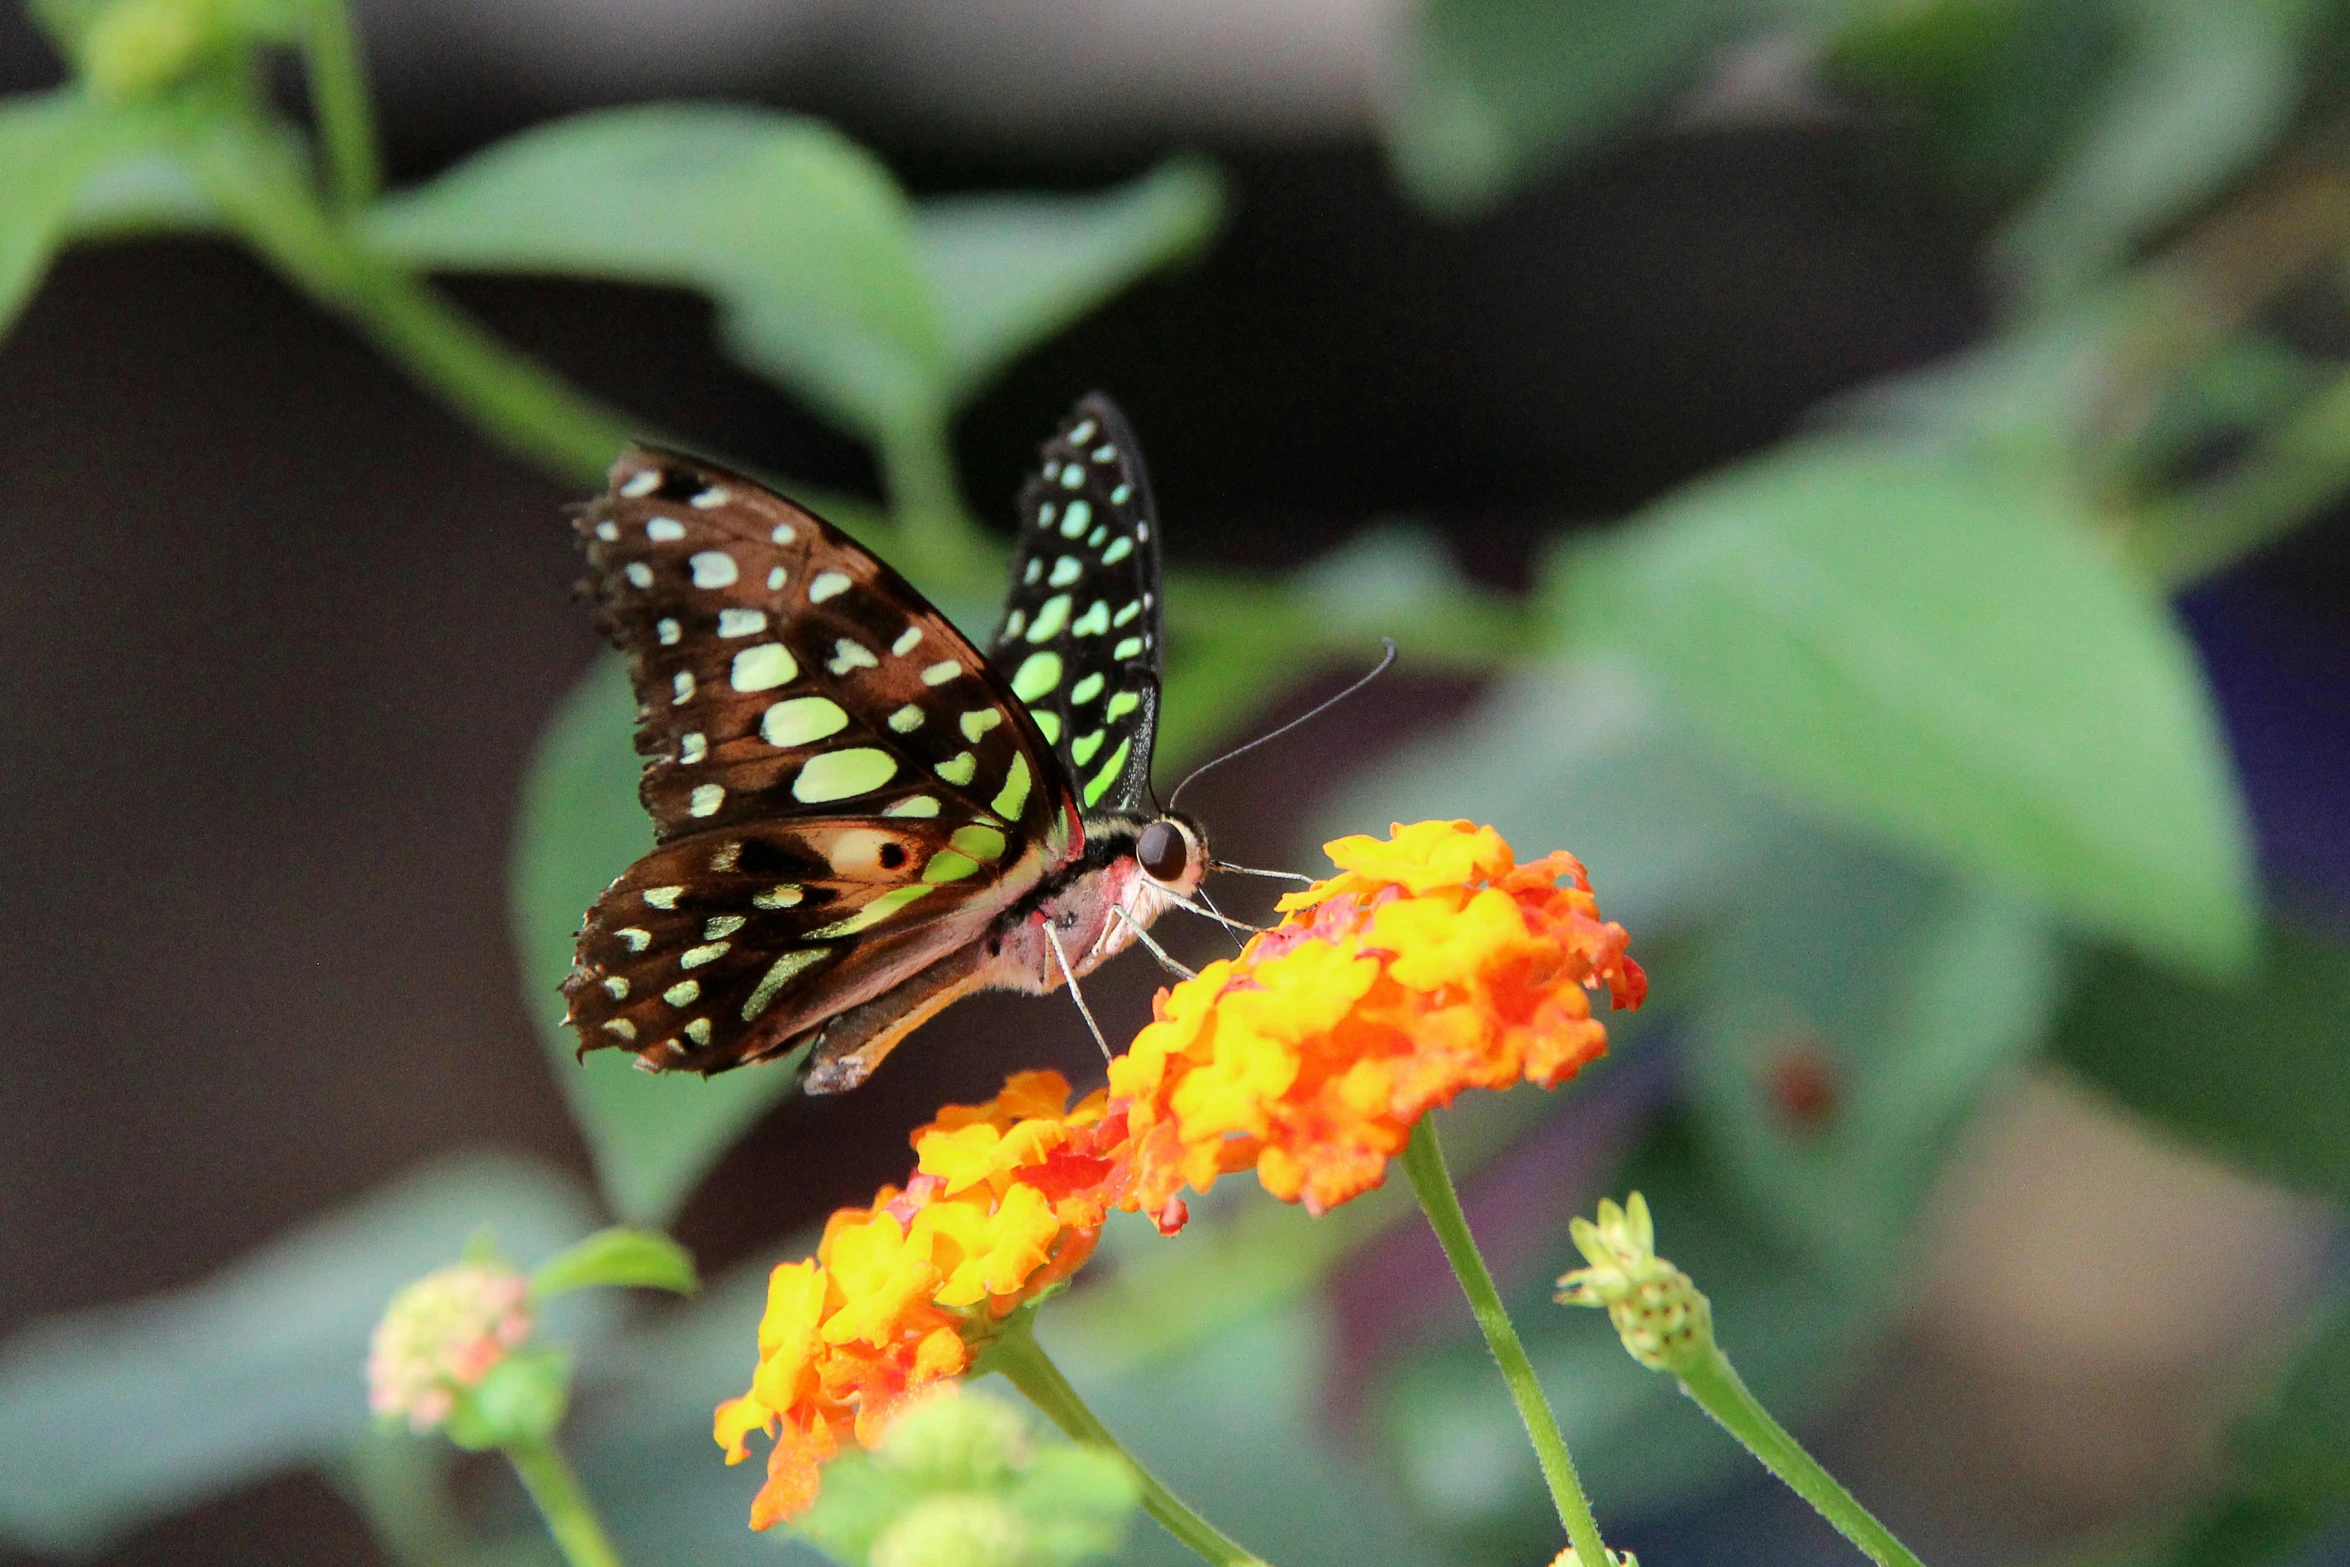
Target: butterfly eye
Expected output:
[1164,851]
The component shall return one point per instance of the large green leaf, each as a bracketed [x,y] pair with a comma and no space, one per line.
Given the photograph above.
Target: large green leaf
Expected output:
[581,825]
[50,144]
[883,314]
[1944,654]
[1008,272]
[117,1416]
[1495,91]
[1583,756]
[2201,90]
[800,235]
[2258,1071]
[1854,1010]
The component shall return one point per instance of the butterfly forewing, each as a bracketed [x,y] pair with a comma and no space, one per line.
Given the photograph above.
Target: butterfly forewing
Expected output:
[841,787]
[1080,638]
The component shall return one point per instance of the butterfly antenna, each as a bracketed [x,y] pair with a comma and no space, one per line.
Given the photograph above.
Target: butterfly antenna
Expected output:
[1157,951]
[1075,994]
[1251,870]
[1306,717]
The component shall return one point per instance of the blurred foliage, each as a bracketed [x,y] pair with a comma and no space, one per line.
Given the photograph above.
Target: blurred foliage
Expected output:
[1885,742]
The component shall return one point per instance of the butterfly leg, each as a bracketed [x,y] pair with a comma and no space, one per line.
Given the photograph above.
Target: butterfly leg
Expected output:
[1166,962]
[851,1045]
[1075,994]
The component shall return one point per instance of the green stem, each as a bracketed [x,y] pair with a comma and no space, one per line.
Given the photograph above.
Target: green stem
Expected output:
[1023,1362]
[263,196]
[578,1533]
[1716,1386]
[2292,471]
[1423,1162]
[339,97]
[918,475]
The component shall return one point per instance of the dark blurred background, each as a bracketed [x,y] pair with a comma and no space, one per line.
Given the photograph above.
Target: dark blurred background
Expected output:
[281,632]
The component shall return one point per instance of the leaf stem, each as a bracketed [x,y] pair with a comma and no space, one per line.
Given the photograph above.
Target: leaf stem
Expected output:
[1023,1362]
[531,411]
[339,97]
[918,475]
[2290,472]
[1423,1163]
[571,1519]
[1715,1384]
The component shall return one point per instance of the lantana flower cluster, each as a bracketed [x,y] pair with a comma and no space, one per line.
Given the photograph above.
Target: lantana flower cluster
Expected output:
[1432,963]
[1006,1202]
[440,1336]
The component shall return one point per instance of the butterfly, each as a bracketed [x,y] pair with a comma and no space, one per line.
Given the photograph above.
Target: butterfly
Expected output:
[858,817]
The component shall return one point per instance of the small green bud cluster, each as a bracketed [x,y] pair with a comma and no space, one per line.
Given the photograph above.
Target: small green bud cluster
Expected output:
[958,1480]
[1663,1318]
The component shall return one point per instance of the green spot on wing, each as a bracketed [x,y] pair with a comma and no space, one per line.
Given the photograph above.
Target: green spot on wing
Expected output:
[1082,748]
[947,865]
[1038,672]
[1123,703]
[1051,618]
[981,843]
[1100,783]
[837,775]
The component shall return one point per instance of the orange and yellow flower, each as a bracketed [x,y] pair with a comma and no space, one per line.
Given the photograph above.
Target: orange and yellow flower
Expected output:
[1432,963]
[1007,1201]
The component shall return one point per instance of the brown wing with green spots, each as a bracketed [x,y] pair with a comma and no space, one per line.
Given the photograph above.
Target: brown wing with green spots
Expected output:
[841,787]
[1080,638]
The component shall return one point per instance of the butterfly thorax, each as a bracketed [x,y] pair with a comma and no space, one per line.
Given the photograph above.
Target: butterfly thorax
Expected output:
[1093,905]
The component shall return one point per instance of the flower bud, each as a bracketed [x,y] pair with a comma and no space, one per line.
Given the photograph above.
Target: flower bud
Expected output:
[1661,1315]
[441,1336]
[954,1529]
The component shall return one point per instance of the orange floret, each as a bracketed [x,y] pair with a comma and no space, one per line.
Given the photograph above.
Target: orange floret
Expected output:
[1432,963]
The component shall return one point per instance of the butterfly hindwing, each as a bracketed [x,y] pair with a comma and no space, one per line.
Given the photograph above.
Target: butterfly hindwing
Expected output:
[841,788]
[1080,641]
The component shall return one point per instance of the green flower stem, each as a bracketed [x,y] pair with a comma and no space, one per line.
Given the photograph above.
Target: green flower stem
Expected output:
[338,95]
[1023,1362]
[579,1533]
[1423,1163]
[1714,1383]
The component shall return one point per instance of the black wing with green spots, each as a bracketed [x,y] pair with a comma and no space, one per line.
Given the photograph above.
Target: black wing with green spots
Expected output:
[1080,641]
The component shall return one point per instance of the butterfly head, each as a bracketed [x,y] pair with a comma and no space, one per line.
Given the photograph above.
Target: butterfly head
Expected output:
[1173,853]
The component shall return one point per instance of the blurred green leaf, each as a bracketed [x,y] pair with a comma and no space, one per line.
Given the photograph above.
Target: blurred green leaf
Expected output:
[1008,272]
[50,144]
[1583,756]
[1854,1010]
[1237,1425]
[641,1436]
[652,1136]
[644,1259]
[1989,89]
[800,235]
[1495,92]
[2288,1464]
[827,279]
[1942,653]
[113,1417]
[2200,91]
[2252,1071]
